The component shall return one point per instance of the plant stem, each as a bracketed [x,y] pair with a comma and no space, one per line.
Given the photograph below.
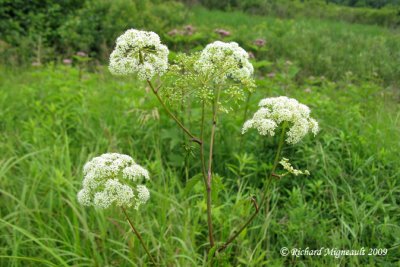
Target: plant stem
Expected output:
[201,143]
[138,235]
[246,109]
[209,173]
[264,196]
[278,153]
[203,164]
[203,168]
[194,138]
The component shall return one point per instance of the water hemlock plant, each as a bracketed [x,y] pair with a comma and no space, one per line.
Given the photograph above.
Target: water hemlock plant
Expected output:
[216,79]
[114,179]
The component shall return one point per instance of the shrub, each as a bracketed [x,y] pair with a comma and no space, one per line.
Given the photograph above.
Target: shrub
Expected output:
[64,27]
[95,27]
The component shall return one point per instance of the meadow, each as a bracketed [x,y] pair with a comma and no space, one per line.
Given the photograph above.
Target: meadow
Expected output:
[54,118]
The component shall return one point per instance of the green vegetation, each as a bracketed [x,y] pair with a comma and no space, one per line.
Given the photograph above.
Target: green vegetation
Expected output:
[331,49]
[42,31]
[53,118]
[350,11]
[319,47]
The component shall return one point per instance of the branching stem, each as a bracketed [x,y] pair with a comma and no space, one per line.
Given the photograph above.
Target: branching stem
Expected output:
[155,91]
[207,179]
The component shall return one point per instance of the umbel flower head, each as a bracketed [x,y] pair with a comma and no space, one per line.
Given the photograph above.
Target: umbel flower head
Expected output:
[278,110]
[113,179]
[139,52]
[225,60]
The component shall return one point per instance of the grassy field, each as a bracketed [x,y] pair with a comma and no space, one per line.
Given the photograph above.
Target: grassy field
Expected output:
[52,120]
[319,47]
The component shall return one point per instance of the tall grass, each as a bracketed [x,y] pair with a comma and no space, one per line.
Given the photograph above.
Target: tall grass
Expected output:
[51,122]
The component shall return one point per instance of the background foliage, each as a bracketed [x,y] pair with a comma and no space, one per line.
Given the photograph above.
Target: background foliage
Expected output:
[64,27]
[38,33]
[387,14]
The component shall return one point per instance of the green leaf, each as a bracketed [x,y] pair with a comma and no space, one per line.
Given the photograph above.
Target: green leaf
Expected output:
[191,183]
[210,255]
[216,187]
[243,234]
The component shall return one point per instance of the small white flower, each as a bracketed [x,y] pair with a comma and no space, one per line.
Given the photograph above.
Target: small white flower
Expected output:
[225,60]
[139,52]
[287,166]
[84,197]
[143,195]
[135,172]
[277,110]
[314,126]
[113,179]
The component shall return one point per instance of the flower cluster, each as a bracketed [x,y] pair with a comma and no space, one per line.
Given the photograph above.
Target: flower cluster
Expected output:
[287,166]
[139,52]
[278,110]
[113,179]
[225,60]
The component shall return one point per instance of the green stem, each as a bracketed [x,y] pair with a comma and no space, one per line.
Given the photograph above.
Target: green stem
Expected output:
[138,235]
[280,146]
[246,109]
[203,164]
[264,196]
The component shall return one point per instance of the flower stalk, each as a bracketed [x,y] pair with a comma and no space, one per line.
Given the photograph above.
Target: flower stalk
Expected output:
[209,172]
[279,151]
[138,235]
[205,177]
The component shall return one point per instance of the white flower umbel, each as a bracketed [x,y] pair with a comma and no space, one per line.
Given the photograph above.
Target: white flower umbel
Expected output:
[287,166]
[113,179]
[275,111]
[139,52]
[221,61]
